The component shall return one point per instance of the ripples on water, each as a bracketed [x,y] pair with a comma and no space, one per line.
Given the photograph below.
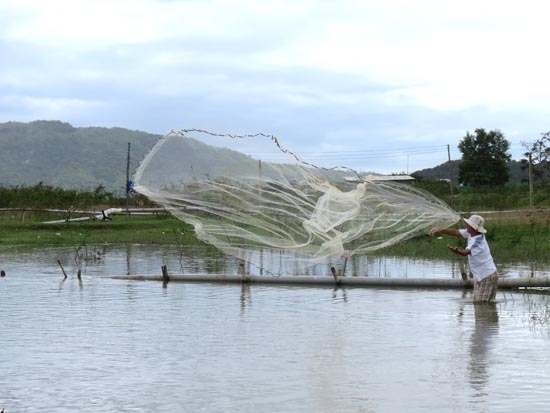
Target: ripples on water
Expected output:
[117,346]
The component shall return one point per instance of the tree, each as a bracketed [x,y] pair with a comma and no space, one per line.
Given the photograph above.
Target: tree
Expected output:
[485,158]
[538,152]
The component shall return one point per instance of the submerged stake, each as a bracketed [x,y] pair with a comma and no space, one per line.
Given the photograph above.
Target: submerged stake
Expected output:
[62,269]
[165,277]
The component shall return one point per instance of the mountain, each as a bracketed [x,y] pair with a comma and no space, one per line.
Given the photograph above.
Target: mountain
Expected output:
[58,154]
[450,169]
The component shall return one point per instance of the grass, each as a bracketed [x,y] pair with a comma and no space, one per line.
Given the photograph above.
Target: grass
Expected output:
[522,235]
[141,229]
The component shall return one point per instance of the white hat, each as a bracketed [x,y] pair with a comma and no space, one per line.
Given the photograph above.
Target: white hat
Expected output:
[476,222]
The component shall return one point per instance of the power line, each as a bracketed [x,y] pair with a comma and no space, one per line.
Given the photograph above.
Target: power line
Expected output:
[363,154]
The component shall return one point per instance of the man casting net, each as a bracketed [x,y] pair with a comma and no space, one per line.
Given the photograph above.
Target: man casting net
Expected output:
[246,194]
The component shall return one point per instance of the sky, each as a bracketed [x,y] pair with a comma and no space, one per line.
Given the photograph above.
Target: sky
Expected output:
[386,86]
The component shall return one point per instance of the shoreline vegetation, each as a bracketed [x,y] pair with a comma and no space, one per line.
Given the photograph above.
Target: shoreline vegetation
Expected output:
[518,235]
[517,232]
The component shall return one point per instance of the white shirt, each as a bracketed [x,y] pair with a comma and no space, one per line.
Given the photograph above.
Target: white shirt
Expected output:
[480,258]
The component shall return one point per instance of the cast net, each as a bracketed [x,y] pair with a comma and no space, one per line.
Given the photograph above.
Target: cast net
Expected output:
[248,194]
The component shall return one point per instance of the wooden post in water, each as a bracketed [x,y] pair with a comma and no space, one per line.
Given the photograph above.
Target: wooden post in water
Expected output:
[62,269]
[334,274]
[165,276]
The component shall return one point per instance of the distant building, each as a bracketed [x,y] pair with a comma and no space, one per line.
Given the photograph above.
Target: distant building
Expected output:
[404,179]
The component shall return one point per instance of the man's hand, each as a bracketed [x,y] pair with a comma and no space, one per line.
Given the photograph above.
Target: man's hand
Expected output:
[453,249]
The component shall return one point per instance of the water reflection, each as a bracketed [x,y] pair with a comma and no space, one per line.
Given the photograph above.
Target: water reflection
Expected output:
[481,340]
[537,315]
[146,259]
[339,293]
[246,297]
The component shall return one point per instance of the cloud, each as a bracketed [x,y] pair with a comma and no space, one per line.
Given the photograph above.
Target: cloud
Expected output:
[339,81]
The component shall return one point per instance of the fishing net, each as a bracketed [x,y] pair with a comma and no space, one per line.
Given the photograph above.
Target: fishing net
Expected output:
[248,194]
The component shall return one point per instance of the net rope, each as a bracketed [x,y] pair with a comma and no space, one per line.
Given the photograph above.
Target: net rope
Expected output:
[243,204]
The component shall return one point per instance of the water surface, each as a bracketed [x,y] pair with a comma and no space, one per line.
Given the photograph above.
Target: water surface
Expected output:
[99,344]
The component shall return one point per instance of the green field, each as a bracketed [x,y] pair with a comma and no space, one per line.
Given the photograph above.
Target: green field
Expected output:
[30,230]
[522,235]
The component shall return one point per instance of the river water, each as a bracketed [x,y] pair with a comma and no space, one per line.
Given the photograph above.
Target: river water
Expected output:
[101,344]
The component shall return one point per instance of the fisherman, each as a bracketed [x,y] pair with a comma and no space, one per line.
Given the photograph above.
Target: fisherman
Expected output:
[480,260]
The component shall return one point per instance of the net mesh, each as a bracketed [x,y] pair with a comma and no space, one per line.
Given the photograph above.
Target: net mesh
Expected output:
[248,194]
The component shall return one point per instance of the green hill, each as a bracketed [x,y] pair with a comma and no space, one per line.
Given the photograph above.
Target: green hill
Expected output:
[518,173]
[61,155]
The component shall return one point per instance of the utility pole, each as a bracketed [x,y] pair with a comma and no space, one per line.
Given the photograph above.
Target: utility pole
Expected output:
[128,183]
[450,172]
[530,181]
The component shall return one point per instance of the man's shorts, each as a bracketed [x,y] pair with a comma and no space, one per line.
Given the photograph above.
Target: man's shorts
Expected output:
[486,289]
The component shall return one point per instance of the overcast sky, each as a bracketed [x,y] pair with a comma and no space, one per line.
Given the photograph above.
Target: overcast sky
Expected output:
[379,86]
